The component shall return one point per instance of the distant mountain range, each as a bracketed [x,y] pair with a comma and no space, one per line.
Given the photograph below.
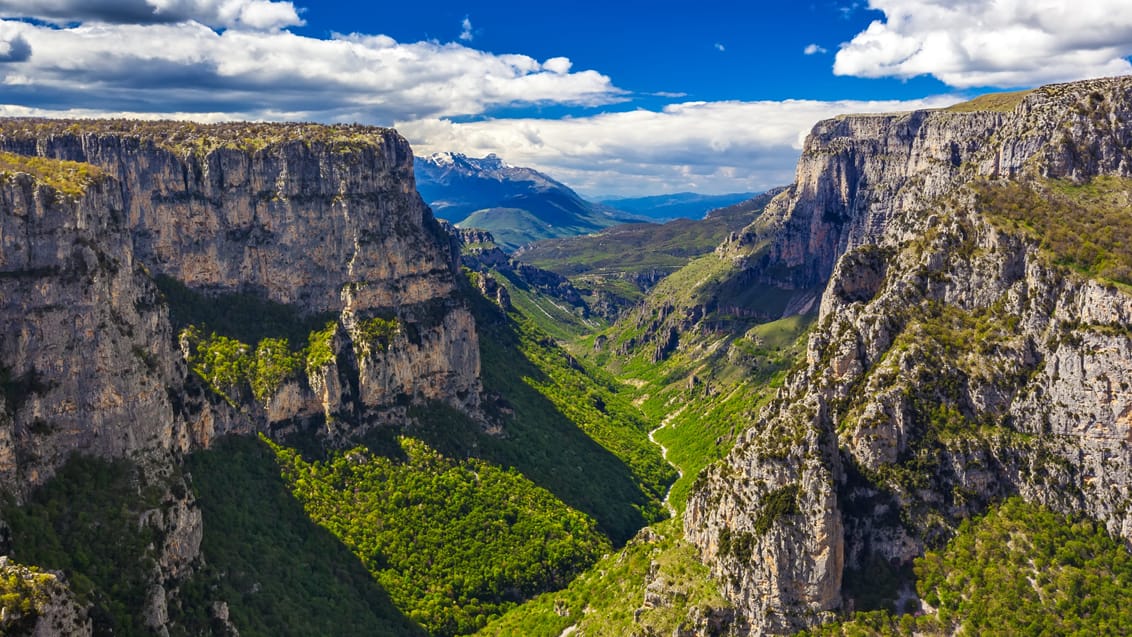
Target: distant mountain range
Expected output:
[688,205]
[518,205]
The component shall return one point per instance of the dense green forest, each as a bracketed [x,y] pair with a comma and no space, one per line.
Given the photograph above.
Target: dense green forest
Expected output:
[84,522]
[453,542]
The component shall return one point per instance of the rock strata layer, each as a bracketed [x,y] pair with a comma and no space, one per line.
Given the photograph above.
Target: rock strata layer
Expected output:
[953,362]
[322,220]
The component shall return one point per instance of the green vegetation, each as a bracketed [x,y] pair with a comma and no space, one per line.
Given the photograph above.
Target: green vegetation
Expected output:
[706,397]
[778,503]
[564,426]
[320,347]
[552,316]
[452,542]
[515,227]
[244,317]
[642,247]
[373,332]
[607,599]
[619,264]
[23,592]
[228,365]
[68,177]
[279,572]
[84,522]
[1086,227]
[1025,570]
[1019,570]
[997,102]
[201,139]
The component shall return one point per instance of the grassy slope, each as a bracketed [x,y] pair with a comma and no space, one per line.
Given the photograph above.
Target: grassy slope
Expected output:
[998,102]
[605,264]
[565,426]
[605,599]
[1087,227]
[514,227]
[707,395]
[550,315]
[641,247]
[454,542]
[280,573]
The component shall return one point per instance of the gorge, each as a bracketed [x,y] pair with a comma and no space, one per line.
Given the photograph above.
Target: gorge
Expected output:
[216,333]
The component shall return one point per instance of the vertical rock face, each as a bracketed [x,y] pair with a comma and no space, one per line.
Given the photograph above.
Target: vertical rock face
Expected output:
[952,362]
[325,220]
[87,352]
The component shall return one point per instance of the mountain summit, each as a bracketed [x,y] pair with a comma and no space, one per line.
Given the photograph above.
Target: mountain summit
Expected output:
[518,205]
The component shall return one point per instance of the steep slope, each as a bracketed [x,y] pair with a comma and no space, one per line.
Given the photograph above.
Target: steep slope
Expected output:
[545,298]
[518,205]
[185,282]
[321,220]
[956,360]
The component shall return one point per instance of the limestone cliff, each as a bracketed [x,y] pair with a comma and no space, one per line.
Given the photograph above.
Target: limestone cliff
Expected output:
[954,361]
[324,221]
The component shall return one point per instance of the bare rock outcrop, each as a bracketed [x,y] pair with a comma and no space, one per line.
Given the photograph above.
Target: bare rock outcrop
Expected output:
[953,362]
[324,220]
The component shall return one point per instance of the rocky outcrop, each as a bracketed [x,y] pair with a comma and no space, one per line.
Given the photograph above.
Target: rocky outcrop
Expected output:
[88,354]
[479,253]
[953,362]
[322,220]
[39,604]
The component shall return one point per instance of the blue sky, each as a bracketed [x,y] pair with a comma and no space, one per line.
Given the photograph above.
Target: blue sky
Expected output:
[623,98]
[706,50]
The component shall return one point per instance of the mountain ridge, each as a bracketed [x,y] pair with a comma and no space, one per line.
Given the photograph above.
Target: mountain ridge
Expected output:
[518,205]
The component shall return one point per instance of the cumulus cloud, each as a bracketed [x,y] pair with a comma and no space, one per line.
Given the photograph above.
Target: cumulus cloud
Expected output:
[1005,43]
[247,14]
[814,49]
[698,146]
[466,30]
[187,66]
[558,65]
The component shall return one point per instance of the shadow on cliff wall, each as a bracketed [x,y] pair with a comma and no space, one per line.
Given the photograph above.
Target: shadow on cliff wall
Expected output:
[538,439]
[280,573]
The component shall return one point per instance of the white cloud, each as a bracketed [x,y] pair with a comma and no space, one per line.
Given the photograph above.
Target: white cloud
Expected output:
[187,66]
[814,49]
[719,47]
[247,14]
[697,146]
[1004,43]
[466,30]
[558,65]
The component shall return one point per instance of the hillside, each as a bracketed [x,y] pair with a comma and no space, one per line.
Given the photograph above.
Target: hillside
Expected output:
[944,444]
[518,205]
[615,267]
[686,205]
[213,330]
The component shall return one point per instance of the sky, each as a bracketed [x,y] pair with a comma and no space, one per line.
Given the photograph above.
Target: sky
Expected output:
[613,98]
